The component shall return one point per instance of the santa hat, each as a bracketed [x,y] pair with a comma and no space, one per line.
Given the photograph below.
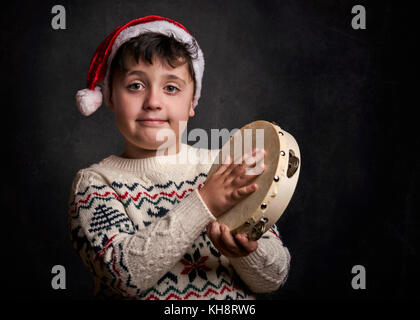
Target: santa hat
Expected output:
[90,99]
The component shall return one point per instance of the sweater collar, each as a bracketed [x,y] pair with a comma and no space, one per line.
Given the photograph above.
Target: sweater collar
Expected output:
[186,156]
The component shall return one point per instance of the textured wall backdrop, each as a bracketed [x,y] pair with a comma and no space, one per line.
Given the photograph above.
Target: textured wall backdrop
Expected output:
[344,94]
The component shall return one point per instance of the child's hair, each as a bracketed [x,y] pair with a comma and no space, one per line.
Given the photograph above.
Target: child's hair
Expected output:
[150,45]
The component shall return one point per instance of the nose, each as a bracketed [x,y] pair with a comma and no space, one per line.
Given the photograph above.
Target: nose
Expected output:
[152,100]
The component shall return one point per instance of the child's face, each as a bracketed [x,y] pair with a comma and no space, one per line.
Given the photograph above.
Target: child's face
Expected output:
[151,91]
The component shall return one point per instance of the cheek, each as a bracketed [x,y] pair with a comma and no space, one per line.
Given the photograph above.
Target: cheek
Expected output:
[178,117]
[181,110]
[125,107]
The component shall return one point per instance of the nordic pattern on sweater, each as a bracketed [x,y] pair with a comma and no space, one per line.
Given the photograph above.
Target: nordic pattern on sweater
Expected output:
[142,236]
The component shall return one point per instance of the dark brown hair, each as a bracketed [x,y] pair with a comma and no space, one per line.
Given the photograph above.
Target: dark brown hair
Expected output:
[150,45]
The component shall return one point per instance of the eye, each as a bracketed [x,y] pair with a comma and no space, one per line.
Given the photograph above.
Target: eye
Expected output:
[136,86]
[171,89]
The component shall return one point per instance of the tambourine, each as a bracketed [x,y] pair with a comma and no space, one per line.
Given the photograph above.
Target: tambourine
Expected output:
[256,214]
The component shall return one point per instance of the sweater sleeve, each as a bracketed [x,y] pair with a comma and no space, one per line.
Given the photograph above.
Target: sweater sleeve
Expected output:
[265,269]
[116,253]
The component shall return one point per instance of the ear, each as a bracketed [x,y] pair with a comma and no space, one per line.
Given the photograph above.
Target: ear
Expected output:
[108,101]
[192,112]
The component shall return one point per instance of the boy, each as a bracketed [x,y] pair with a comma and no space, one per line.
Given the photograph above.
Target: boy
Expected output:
[145,227]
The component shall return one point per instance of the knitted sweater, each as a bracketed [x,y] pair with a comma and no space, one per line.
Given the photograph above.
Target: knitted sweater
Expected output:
[139,226]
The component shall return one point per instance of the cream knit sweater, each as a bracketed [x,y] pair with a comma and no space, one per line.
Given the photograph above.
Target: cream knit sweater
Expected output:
[139,226]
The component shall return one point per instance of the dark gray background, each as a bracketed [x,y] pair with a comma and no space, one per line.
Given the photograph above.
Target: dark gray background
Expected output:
[345,95]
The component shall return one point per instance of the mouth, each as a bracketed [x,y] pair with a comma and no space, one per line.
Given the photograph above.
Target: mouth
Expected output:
[151,122]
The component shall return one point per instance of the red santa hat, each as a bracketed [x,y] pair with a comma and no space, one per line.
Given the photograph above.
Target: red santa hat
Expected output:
[90,99]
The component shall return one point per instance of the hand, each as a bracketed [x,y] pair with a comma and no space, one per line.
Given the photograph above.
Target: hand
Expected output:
[238,246]
[230,183]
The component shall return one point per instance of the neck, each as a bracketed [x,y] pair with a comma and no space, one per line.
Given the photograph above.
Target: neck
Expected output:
[134,152]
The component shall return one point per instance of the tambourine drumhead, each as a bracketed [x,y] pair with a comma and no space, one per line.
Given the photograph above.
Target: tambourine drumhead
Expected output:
[256,213]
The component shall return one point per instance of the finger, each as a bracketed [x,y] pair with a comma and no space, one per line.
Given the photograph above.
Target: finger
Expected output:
[211,232]
[253,172]
[230,166]
[229,243]
[238,167]
[242,192]
[236,175]
[241,160]
[214,234]
[215,230]
[226,163]
[248,174]
[253,159]
[246,243]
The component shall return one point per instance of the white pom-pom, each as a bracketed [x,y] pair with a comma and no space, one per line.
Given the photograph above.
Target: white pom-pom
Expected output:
[88,101]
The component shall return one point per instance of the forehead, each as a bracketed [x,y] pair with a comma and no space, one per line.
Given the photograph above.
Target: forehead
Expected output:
[179,67]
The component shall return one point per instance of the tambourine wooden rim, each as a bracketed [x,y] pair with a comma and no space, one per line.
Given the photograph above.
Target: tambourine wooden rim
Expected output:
[257,213]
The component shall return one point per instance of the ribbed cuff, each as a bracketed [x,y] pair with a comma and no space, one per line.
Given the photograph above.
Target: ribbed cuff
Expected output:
[251,261]
[198,217]
[267,253]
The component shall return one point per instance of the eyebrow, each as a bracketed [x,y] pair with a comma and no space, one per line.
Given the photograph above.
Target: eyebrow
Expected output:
[174,77]
[141,73]
[134,72]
